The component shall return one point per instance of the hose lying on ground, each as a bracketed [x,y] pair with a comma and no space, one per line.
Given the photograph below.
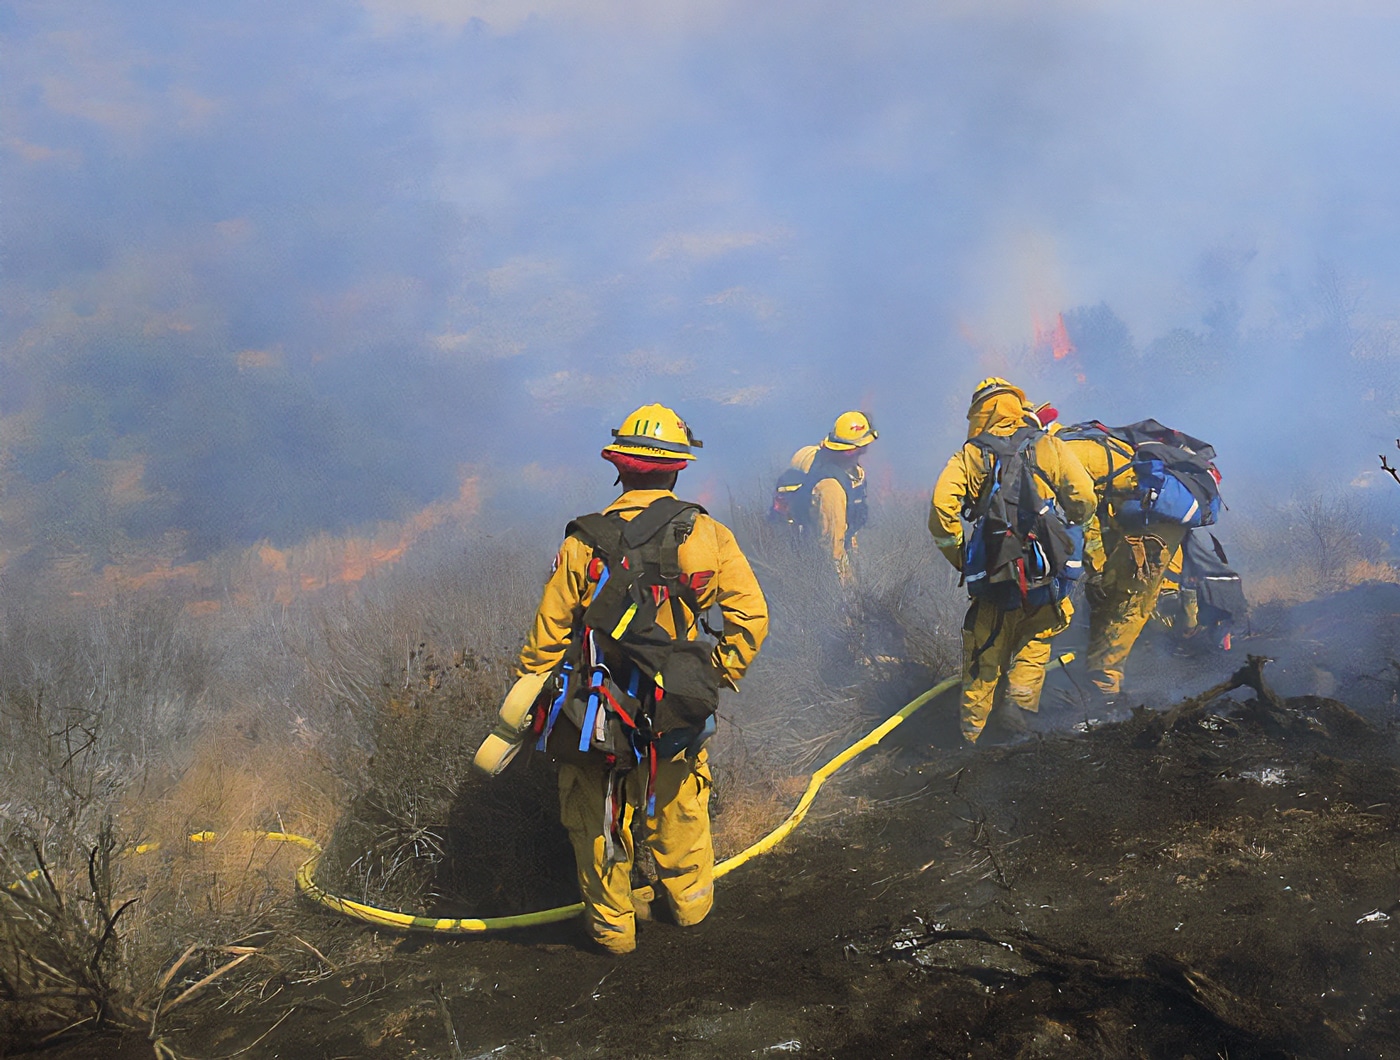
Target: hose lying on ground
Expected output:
[471,926]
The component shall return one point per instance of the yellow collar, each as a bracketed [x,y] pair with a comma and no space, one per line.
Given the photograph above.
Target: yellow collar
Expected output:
[636,500]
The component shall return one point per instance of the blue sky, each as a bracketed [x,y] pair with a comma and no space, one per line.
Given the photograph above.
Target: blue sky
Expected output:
[477,233]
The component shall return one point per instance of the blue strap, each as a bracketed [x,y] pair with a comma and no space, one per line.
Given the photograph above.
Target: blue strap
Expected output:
[585,737]
[554,710]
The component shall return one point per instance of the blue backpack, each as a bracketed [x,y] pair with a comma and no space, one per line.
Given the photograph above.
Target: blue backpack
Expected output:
[1176,479]
[1021,550]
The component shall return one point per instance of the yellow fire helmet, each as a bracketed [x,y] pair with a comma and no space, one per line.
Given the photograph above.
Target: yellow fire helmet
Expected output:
[657,432]
[852,431]
[995,384]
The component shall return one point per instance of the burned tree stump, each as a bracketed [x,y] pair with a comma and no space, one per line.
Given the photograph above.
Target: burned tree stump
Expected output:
[1188,711]
[1267,708]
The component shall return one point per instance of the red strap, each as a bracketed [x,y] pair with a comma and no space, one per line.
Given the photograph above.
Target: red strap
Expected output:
[602,690]
[698,580]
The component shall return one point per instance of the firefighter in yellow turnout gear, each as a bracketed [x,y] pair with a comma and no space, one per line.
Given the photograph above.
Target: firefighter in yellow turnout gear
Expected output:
[998,643]
[1124,566]
[1172,591]
[823,490]
[599,803]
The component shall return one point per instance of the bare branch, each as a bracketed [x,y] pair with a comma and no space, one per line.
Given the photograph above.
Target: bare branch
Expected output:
[1387,468]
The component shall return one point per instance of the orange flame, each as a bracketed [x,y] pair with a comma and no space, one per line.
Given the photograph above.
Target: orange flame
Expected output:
[309,566]
[1054,338]
[353,559]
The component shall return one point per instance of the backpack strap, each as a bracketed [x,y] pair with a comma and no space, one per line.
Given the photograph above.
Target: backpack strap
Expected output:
[996,447]
[1115,445]
[609,533]
[600,532]
[648,522]
[680,528]
[1002,445]
[819,471]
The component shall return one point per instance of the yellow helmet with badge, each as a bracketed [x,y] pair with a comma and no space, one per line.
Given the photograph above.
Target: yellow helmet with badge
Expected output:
[654,432]
[851,431]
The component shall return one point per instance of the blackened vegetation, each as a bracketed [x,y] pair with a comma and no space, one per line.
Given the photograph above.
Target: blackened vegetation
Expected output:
[1212,880]
[1266,708]
[1387,468]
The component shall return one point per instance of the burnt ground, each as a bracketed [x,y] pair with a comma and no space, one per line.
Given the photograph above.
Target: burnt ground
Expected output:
[1219,880]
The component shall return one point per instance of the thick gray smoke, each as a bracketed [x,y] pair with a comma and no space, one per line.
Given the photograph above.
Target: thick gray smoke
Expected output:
[271,268]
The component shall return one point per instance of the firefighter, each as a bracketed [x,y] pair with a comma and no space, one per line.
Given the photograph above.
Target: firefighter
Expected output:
[1123,566]
[823,490]
[598,805]
[999,643]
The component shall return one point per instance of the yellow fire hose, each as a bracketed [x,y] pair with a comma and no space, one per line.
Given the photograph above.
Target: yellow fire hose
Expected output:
[471,926]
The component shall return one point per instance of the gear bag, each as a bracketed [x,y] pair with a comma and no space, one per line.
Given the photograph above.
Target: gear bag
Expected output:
[1021,550]
[1174,472]
[1219,590]
[792,495]
[626,681]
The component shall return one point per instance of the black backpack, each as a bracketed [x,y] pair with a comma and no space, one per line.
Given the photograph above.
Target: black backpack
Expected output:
[625,680]
[792,495]
[1021,550]
[1173,470]
[1206,568]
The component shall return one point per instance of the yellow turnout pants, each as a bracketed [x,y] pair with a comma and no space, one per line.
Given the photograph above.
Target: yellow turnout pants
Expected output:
[1124,596]
[678,836]
[1014,644]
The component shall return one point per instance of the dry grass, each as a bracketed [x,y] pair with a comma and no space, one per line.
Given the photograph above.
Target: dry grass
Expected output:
[838,657]
[131,723]
[1309,546]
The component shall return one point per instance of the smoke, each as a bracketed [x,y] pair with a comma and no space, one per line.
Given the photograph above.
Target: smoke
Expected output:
[274,270]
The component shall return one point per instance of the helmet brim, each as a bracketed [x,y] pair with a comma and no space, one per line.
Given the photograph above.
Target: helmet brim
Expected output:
[836,445]
[647,452]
